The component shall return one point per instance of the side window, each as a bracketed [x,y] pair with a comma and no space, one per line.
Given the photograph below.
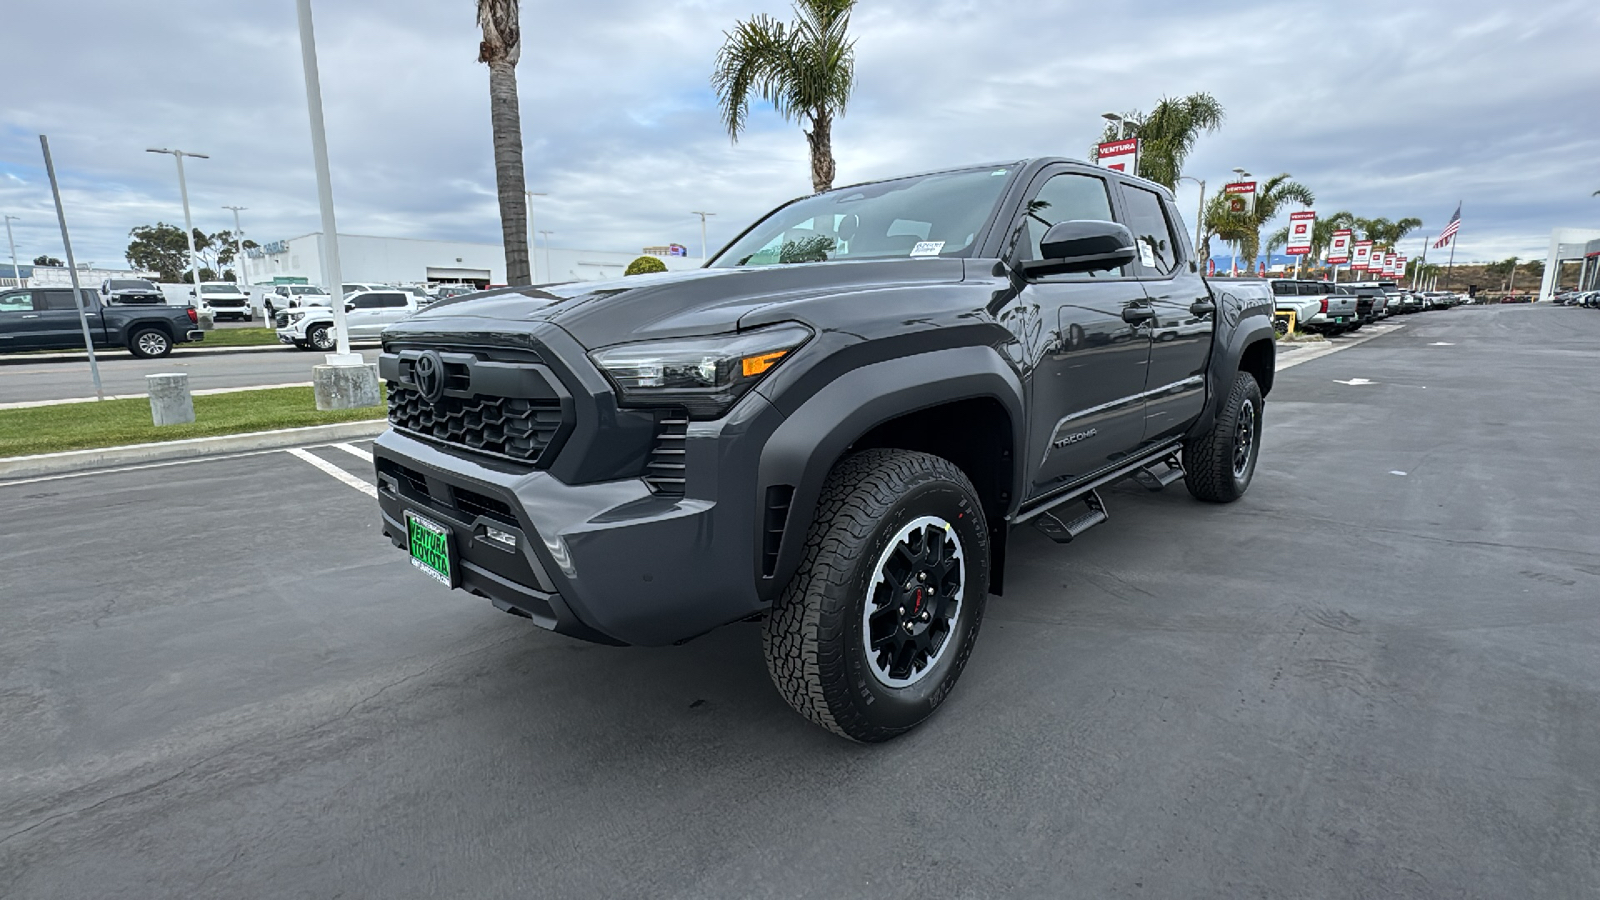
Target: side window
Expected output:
[59,300]
[394,301]
[1158,250]
[16,301]
[1283,289]
[1063,198]
[367,301]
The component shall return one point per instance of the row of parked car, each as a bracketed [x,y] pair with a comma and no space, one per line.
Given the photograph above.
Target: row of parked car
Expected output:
[306,320]
[1590,299]
[1325,307]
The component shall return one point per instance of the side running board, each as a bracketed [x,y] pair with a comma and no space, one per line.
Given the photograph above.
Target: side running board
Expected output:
[1154,479]
[1062,532]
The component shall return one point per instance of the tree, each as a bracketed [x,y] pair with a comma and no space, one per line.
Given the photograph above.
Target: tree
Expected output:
[1168,134]
[159,248]
[1385,234]
[645,265]
[500,49]
[805,69]
[48,261]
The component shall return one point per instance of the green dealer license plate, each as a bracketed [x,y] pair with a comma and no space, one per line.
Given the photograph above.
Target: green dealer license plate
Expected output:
[430,549]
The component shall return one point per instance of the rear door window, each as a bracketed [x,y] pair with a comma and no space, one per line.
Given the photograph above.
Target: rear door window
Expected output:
[1152,233]
[16,302]
[392,301]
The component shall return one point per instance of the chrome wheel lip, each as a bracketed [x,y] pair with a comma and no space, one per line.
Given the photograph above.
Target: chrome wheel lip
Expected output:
[1244,439]
[952,607]
[152,343]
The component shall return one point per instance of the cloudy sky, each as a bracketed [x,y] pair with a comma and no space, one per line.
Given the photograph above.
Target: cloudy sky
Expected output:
[1383,109]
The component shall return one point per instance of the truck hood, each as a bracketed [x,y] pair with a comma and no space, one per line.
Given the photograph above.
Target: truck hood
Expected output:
[674,304]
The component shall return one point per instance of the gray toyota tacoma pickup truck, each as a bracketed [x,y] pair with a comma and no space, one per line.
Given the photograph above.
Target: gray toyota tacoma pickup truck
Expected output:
[832,426]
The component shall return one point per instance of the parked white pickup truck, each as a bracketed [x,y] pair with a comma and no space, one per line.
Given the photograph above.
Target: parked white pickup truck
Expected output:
[366,315]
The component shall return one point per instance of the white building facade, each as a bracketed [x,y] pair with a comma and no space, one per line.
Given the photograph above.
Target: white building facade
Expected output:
[386,260]
[1580,245]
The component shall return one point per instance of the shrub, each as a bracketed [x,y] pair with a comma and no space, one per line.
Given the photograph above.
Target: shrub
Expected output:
[645,265]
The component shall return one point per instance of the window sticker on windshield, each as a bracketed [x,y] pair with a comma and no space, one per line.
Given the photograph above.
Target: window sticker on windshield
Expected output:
[1146,255]
[927,248]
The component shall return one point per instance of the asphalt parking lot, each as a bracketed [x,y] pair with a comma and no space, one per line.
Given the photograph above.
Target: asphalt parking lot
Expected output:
[1377,675]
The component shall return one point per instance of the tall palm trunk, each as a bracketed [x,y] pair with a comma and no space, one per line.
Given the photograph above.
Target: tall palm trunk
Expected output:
[507,121]
[500,50]
[820,137]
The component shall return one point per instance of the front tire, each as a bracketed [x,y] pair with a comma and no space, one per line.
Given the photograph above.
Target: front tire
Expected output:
[1219,464]
[321,337]
[875,628]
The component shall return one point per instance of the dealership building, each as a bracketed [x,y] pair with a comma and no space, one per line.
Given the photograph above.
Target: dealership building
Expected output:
[389,260]
[1572,246]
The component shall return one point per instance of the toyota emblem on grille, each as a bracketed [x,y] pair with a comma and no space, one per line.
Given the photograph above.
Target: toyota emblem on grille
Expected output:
[427,373]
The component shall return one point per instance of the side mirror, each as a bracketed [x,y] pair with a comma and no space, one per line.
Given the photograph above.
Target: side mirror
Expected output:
[350,307]
[1085,245]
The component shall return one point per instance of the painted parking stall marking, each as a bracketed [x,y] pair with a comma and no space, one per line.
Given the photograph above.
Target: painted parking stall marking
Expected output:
[364,487]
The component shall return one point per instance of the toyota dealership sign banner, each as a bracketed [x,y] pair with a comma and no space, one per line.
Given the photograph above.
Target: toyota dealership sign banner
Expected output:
[1362,261]
[1241,196]
[1339,247]
[1120,156]
[1301,225]
[1399,267]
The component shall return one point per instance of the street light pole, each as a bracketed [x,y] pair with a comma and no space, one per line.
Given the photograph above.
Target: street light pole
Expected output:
[1200,213]
[533,258]
[547,234]
[702,216]
[319,155]
[72,267]
[16,273]
[188,222]
[239,277]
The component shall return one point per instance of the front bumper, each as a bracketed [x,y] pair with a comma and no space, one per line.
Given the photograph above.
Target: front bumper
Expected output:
[611,561]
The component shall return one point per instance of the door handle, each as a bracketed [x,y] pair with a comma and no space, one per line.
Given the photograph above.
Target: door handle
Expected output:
[1202,307]
[31,316]
[1133,315]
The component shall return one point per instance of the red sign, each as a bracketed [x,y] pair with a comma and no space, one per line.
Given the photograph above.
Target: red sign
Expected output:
[1400,266]
[1261,270]
[1119,156]
[1339,247]
[1211,267]
[1363,260]
[1301,225]
[1241,195]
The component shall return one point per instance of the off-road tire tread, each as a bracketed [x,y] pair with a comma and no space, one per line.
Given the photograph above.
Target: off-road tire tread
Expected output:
[807,666]
[1208,458]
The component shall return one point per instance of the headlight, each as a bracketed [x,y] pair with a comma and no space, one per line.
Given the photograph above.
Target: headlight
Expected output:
[705,375]
[296,316]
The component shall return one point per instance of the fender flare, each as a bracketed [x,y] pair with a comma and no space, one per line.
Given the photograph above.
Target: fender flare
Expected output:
[802,450]
[1225,358]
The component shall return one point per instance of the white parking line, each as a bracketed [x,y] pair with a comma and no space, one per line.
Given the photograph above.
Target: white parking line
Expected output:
[355,451]
[336,472]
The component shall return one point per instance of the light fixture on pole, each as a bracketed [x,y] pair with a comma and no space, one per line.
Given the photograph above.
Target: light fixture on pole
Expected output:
[702,216]
[319,155]
[533,257]
[16,273]
[188,223]
[1122,123]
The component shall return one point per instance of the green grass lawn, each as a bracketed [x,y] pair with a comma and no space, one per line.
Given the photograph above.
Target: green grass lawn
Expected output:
[237,337]
[110,423]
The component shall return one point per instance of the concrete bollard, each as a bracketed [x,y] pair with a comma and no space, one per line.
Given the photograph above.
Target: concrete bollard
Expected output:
[345,387]
[170,403]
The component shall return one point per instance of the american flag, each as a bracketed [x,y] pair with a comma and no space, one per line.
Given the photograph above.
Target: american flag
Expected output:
[1449,230]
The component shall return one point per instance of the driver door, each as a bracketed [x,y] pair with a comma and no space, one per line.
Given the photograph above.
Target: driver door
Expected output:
[1086,403]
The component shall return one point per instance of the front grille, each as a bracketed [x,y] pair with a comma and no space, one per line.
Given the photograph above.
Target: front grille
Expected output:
[665,473]
[228,304]
[511,427]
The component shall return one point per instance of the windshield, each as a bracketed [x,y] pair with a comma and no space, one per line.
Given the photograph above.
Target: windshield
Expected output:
[128,284]
[218,289]
[927,215]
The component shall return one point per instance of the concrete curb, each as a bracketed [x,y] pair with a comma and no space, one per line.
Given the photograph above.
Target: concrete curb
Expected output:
[133,454]
[115,353]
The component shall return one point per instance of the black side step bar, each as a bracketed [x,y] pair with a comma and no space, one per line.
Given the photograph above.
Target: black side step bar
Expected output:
[1040,505]
[1063,532]
[1153,480]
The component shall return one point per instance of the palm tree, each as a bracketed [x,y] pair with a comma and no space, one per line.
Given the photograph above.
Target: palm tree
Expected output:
[1271,195]
[805,69]
[1222,221]
[1167,135]
[1385,234]
[500,49]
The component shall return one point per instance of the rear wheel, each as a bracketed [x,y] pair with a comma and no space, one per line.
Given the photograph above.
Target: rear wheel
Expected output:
[149,343]
[874,630]
[1219,464]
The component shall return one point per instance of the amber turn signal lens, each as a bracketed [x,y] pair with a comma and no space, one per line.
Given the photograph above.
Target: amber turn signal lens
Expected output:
[756,365]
